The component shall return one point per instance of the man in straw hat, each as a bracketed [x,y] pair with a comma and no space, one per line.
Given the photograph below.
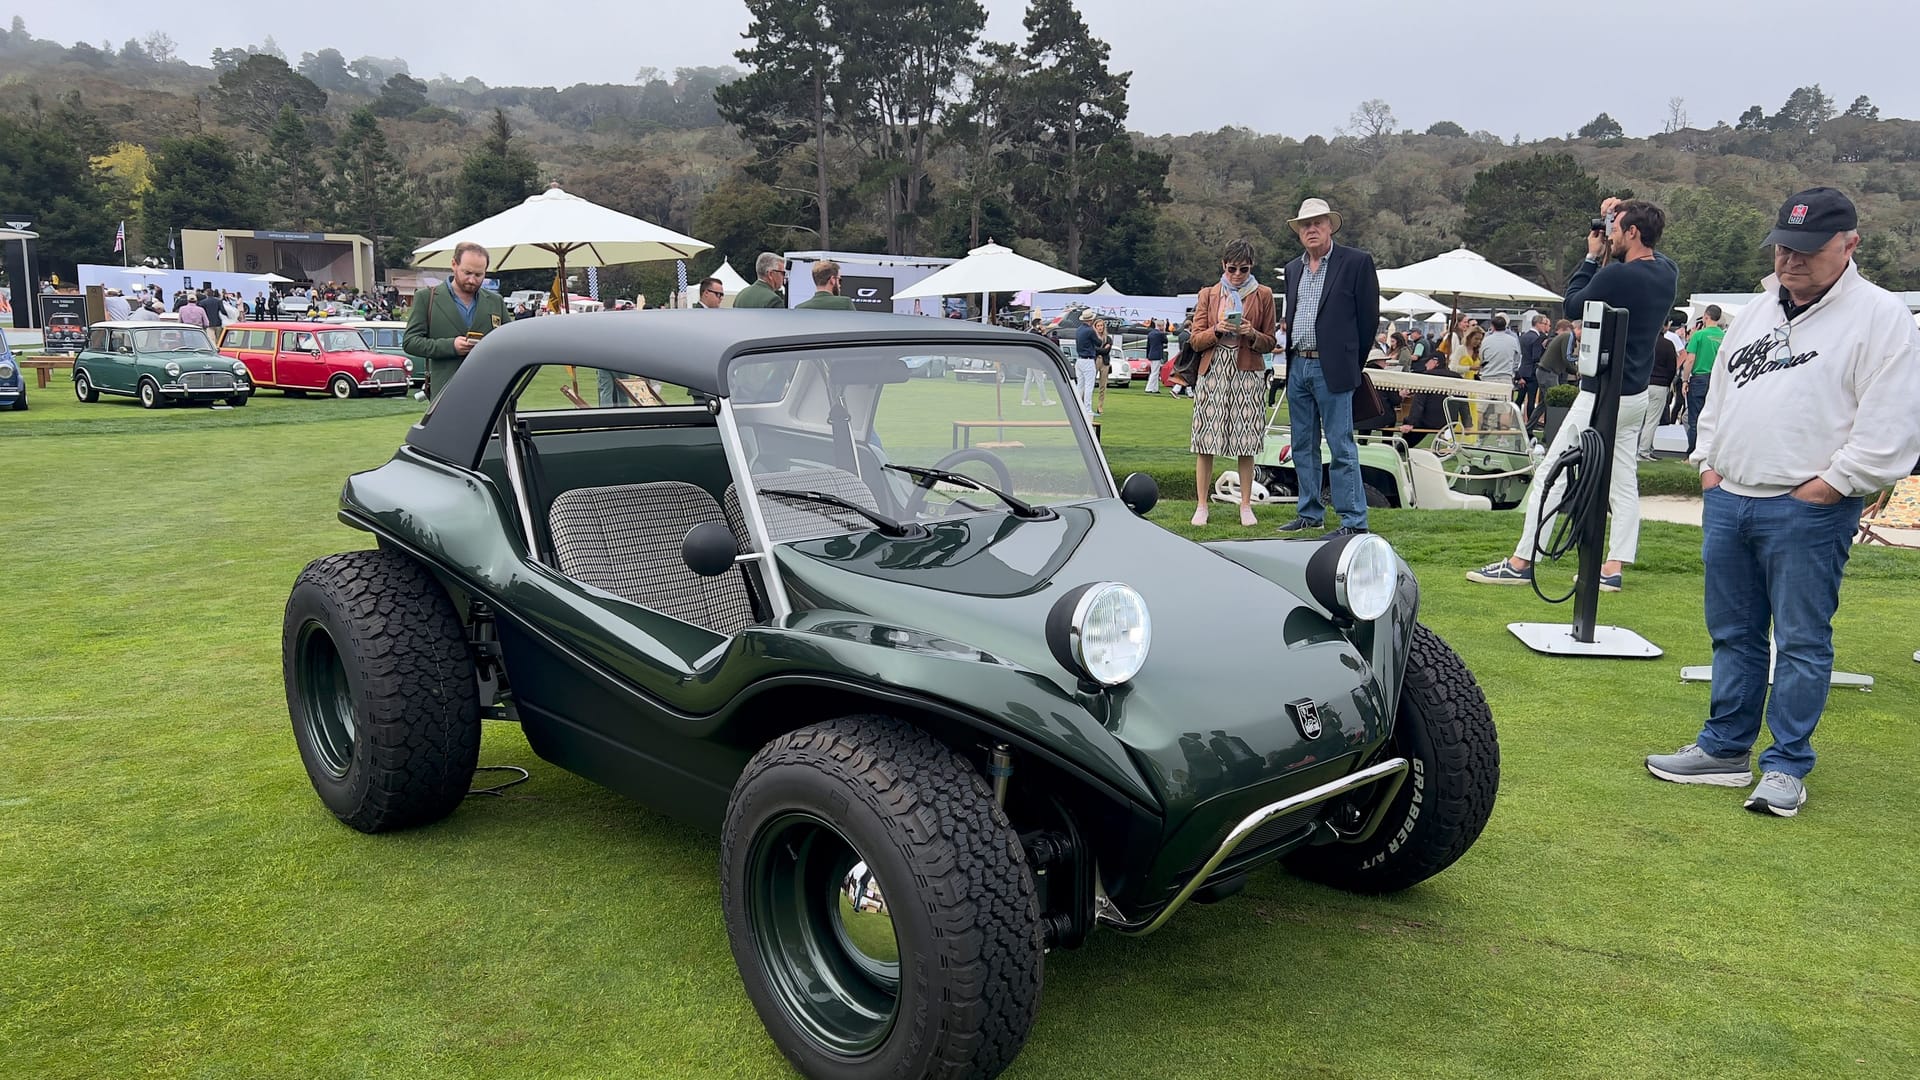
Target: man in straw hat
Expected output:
[1333,312]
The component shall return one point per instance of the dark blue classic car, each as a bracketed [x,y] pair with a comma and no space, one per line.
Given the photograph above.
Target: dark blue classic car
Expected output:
[13,383]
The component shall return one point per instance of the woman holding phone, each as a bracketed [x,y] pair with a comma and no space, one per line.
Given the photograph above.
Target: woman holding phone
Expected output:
[1233,323]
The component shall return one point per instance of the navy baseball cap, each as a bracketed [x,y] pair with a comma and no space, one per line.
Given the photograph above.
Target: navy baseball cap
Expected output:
[1810,218]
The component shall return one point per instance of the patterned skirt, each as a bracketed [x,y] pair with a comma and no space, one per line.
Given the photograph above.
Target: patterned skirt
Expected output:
[1230,411]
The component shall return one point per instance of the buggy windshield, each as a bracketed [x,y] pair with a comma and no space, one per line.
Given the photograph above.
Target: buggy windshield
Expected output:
[862,424]
[1488,425]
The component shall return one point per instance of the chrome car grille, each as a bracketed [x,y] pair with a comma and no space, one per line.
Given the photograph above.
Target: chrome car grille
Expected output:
[207,380]
[387,376]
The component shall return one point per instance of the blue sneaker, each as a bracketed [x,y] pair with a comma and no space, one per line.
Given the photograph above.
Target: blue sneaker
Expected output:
[1501,573]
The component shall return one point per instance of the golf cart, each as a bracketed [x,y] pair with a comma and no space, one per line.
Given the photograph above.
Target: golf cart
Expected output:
[948,708]
[1482,459]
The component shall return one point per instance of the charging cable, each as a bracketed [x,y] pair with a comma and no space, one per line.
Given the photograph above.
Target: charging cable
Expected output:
[1580,466]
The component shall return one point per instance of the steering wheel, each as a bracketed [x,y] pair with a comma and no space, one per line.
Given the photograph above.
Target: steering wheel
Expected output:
[1447,440]
[1002,479]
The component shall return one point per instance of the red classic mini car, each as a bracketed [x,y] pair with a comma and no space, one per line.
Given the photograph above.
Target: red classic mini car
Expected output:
[298,357]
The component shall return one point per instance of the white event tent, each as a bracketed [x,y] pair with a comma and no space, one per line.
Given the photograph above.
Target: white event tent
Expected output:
[991,268]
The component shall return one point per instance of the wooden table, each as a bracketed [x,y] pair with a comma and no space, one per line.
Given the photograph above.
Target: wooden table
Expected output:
[963,429]
[44,364]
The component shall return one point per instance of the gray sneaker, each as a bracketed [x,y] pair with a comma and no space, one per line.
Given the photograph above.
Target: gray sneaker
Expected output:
[1778,794]
[1501,573]
[1692,765]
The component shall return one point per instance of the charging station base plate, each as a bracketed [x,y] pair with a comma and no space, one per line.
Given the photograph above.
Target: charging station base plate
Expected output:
[1840,679]
[1556,639]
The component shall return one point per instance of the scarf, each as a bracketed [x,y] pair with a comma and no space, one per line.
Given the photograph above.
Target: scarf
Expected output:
[1230,297]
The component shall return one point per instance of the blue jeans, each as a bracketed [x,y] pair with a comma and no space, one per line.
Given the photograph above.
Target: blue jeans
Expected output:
[1311,409]
[1696,400]
[1771,562]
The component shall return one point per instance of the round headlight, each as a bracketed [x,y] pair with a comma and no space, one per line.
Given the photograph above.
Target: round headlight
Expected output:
[408,364]
[173,368]
[368,364]
[1101,631]
[6,370]
[240,369]
[1354,575]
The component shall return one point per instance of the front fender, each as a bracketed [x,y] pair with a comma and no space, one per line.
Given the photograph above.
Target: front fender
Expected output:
[1386,641]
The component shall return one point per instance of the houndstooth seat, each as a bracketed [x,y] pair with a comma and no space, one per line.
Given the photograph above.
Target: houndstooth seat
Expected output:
[791,519]
[626,539]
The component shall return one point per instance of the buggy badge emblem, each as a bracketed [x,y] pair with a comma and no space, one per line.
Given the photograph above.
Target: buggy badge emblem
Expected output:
[1306,715]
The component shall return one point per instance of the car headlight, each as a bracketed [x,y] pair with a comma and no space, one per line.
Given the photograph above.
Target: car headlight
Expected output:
[1101,631]
[6,370]
[408,364]
[368,364]
[1354,575]
[240,369]
[173,369]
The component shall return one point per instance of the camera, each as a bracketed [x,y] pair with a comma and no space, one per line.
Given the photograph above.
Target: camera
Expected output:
[1602,225]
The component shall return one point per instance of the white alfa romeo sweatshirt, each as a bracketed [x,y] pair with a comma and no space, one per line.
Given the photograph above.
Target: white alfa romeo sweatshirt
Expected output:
[1834,394]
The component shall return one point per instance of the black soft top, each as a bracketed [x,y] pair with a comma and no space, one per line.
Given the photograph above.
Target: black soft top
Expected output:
[691,348]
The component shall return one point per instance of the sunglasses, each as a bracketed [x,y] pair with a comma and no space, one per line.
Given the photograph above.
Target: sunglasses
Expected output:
[710,292]
[1238,269]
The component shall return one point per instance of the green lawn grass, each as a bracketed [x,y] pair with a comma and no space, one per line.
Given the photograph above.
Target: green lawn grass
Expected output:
[176,902]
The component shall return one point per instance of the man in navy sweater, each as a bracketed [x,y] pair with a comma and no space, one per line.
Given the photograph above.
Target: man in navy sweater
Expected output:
[1643,281]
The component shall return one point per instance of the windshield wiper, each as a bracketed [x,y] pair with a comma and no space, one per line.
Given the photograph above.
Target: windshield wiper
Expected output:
[886,525]
[928,476]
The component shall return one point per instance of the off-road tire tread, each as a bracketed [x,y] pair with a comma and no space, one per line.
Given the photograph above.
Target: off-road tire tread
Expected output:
[1463,786]
[966,855]
[418,709]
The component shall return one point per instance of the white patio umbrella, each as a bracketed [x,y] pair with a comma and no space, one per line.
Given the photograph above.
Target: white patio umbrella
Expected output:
[1412,303]
[553,229]
[991,268]
[1461,272]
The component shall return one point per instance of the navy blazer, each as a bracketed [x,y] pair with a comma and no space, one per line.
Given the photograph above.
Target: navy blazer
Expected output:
[1349,314]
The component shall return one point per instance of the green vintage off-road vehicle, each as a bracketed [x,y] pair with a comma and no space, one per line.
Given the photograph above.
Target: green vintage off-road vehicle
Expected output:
[948,700]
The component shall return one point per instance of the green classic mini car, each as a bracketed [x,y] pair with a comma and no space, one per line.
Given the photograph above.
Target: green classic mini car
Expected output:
[160,363]
[948,700]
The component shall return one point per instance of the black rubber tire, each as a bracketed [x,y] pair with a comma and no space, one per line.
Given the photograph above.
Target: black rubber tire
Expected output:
[968,929]
[149,393]
[21,404]
[83,388]
[341,388]
[409,677]
[237,400]
[1377,499]
[1446,731]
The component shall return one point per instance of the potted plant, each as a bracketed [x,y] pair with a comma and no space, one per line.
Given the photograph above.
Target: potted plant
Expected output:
[1559,400]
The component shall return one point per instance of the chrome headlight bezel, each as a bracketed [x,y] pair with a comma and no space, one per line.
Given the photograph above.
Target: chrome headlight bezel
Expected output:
[368,365]
[6,369]
[172,370]
[1356,576]
[1101,631]
[240,369]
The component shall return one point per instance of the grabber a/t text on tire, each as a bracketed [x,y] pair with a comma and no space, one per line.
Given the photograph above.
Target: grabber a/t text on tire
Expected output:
[1445,730]
[381,688]
[879,905]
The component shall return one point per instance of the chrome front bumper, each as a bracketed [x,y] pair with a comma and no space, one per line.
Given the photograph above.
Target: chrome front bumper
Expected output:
[1391,773]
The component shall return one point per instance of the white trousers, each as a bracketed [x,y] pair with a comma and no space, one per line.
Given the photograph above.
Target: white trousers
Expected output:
[1085,371]
[1623,498]
[1656,405]
[1153,375]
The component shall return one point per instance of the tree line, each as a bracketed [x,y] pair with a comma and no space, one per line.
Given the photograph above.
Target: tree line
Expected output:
[893,127]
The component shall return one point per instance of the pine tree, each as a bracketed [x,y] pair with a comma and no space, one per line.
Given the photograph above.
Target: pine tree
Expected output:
[366,191]
[497,175]
[292,171]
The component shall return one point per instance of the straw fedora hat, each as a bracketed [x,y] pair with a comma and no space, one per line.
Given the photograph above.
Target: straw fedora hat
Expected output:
[1311,209]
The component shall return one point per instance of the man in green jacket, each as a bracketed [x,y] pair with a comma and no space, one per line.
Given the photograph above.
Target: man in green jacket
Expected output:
[446,321]
[771,269]
[826,288]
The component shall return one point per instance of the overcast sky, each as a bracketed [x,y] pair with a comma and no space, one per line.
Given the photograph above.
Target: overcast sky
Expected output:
[1292,68]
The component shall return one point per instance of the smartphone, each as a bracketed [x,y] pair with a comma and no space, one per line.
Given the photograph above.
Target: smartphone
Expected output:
[1233,318]
[476,335]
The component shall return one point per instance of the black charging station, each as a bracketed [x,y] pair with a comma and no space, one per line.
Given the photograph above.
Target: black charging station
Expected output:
[1603,347]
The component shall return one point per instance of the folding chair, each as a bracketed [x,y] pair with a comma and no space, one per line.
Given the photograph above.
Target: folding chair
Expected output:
[1898,507]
